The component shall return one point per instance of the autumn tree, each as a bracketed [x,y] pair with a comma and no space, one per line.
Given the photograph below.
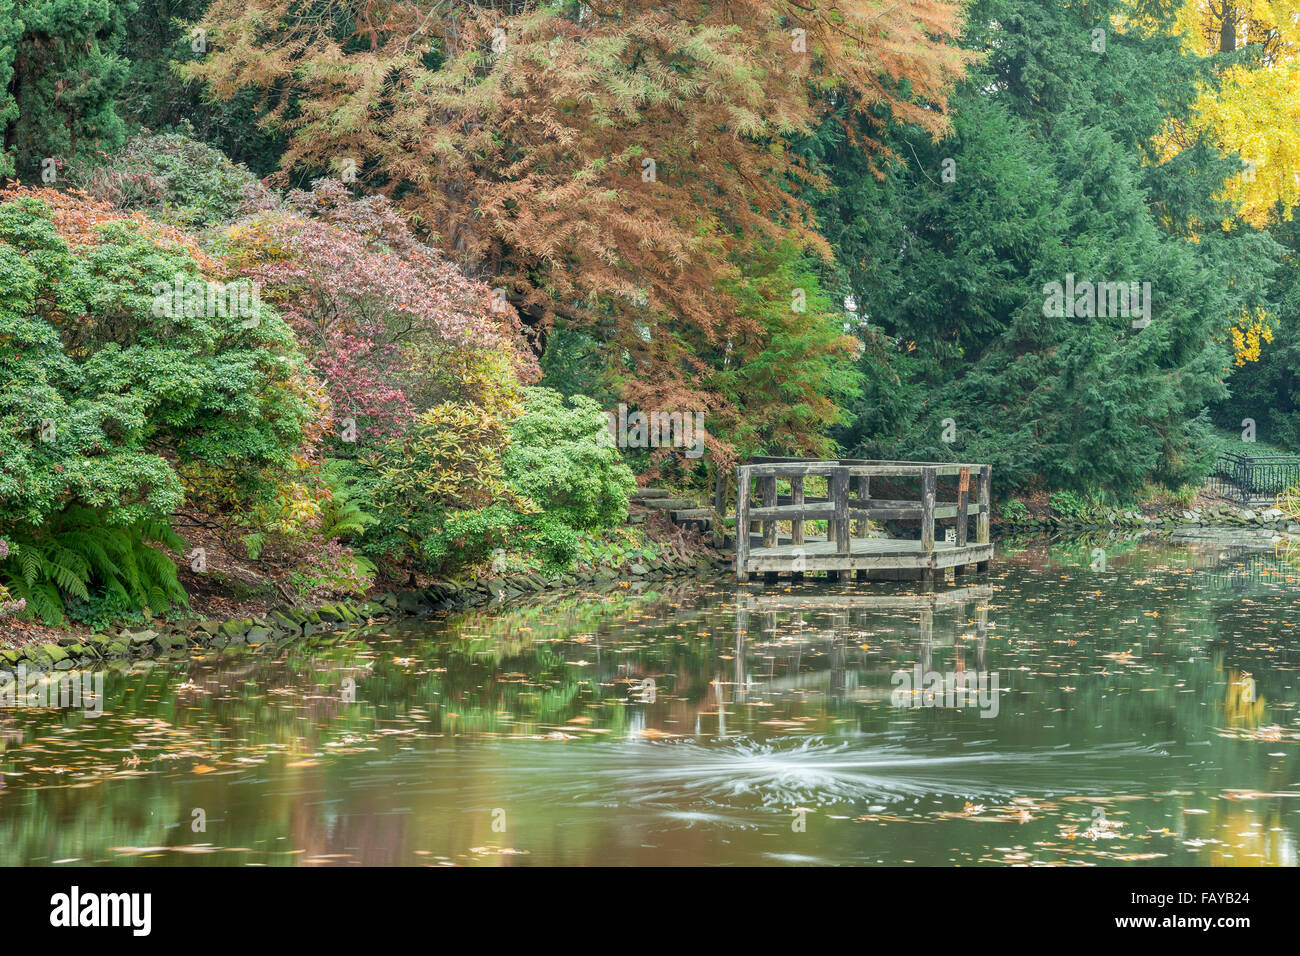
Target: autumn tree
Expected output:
[1248,104]
[391,325]
[610,165]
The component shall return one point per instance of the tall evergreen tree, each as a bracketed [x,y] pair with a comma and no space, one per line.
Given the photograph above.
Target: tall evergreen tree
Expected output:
[65,75]
[1048,174]
[10,29]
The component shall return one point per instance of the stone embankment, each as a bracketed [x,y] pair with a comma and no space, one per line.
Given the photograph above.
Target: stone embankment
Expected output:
[283,625]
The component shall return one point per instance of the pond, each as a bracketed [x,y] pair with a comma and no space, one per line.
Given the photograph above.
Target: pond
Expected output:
[1089,702]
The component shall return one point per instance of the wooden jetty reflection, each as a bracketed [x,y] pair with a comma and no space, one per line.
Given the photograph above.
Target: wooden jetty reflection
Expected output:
[839,615]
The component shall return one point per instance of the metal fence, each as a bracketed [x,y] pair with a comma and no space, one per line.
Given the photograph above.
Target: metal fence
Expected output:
[1253,479]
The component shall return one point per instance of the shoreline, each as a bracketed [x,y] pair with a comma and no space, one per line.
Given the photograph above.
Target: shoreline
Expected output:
[281,624]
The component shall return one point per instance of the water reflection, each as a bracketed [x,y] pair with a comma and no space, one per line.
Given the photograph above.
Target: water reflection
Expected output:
[1145,713]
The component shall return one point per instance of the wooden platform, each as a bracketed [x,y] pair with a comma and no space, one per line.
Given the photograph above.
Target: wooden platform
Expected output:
[846,509]
[865,554]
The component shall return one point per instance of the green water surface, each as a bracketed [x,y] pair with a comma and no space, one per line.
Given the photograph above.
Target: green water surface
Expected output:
[1145,714]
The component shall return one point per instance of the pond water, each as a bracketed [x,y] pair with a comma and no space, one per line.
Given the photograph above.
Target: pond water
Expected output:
[1130,706]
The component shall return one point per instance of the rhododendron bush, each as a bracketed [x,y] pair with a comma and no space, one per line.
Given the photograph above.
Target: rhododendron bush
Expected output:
[106,396]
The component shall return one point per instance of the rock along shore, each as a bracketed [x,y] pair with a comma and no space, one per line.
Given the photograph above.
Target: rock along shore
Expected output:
[327,623]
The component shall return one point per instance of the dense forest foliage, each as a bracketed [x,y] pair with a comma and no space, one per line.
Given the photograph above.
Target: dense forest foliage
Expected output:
[359,281]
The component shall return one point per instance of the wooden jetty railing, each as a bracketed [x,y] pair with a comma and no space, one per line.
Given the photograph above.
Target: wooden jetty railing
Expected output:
[847,508]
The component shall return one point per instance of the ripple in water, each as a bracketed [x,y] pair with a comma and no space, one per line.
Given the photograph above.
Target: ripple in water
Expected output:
[692,777]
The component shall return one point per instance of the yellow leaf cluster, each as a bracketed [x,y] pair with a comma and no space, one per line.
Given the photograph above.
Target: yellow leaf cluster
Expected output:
[1250,331]
[1252,110]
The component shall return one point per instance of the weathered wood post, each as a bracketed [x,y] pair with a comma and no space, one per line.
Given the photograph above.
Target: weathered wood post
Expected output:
[963,502]
[863,488]
[796,498]
[742,521]
[983,494]
[928,480]
[861,525]
[768,486]
[982,498]
[840,499]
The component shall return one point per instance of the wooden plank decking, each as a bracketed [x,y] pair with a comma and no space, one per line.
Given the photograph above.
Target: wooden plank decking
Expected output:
[865,554]
[845,509]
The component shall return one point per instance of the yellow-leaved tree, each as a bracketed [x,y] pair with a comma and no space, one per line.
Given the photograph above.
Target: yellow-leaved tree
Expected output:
[1255,109]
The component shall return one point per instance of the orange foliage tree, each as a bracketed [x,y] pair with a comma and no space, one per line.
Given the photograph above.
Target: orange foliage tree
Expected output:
[611,165]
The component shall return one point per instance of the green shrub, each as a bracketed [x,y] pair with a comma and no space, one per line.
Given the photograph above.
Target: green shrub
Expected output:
[174,178]
[562,458]
[549,538]
[466,537]
[451,455]
[102,393]
[1015,510]
[1069,504]
[470,537]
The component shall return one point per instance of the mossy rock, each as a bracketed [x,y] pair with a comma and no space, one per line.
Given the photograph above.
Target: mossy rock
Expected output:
[235,630]
[280,619]
[408,602]
[52,653]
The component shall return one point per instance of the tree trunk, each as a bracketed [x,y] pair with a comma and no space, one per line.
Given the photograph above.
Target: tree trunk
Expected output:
[1228,30]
